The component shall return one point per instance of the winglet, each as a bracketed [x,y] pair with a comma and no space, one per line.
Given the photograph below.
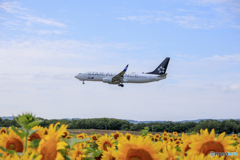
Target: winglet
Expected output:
[125,69]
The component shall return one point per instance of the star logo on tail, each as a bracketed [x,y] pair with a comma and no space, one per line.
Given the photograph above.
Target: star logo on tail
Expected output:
[161,69]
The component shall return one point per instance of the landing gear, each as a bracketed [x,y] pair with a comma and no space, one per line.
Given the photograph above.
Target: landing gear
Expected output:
[121,85]
[83,82]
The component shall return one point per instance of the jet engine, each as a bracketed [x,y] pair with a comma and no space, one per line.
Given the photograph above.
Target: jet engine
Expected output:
[107,80]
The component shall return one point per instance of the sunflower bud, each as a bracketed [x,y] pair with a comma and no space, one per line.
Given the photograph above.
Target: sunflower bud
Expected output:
[26,118]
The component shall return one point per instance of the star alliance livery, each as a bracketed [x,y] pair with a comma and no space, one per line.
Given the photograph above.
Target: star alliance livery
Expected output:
[111,78]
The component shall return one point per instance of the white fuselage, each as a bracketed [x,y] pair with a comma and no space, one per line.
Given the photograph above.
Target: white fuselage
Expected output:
[127,78]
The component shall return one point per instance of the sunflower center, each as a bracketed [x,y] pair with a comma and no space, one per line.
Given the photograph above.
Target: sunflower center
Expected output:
[94,138]
[14,144]
[186,149]
[105,145]
[65,134]
[207,147]
[116,136]
[138,154]
[3,131]
[34,137]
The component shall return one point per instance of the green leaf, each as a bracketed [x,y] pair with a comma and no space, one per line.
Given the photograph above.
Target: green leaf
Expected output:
[21,135]
[20,154]
[1,154]
[7,150]
[178,149]
[67,157]
[18,121]
[89,149]
[73,141]
[235,143]
[97,153]
[32,124]
[35,143]
[23,119]
[32,132]
[88,158]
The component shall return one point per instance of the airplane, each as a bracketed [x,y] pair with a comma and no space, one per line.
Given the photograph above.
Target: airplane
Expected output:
[158,74]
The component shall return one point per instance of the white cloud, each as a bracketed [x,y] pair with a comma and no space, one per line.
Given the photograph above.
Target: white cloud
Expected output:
[209,1]
[50,22]
[12,7]
[232,87]
[233,57]
[187,21]
[25,19]
[235,26]
[191,22]
[49,32]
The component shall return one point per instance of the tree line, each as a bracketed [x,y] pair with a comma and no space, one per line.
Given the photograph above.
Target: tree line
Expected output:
[227,126]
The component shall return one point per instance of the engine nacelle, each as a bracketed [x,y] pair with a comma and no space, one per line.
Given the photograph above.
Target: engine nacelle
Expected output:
[107,80]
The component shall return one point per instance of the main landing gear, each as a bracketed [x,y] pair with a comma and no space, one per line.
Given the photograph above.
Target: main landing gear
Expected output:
[83,82]
[121,85]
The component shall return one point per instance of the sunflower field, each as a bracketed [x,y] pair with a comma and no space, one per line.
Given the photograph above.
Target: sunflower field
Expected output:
[32,141]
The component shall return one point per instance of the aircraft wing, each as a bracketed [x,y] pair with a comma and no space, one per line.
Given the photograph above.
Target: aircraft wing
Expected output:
[119,76]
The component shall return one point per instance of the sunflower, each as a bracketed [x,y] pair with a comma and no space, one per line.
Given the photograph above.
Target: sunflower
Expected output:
[177,143]
[156,139]
[65,134]
[175,134]
[207,143]
[78,152]
[138,148]
[80,136]
[234,135]
[94,137]
[165,138]
[45,131]
[191,156]
[157,135]
[11,141]
[128,136]
[163,145]
[165,133]
[108,155]
[170,152]
[3,130]
[184,147]
[38,134]
[26,156]
[105,142]
[50,146]
[171,139]
[117,135]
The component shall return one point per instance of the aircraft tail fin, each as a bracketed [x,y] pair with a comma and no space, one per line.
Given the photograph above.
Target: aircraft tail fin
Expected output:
[162,68]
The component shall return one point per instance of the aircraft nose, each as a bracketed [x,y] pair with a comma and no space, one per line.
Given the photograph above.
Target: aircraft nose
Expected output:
[76,76]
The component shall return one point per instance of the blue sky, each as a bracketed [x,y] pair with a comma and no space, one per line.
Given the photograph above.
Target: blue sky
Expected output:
[44,44]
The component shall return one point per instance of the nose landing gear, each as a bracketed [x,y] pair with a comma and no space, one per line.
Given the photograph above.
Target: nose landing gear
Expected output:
[121,85]
[83,82]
